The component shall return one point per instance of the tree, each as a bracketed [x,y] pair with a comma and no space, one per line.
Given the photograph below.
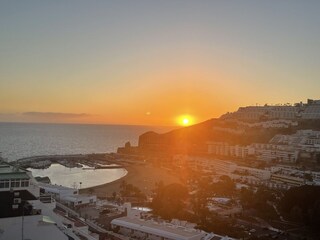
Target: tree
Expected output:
[169,201]
[199,200]
[308,176]
[128,190]
[114,195]
[302,204]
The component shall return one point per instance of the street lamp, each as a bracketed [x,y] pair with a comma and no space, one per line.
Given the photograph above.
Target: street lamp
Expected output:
[24,205]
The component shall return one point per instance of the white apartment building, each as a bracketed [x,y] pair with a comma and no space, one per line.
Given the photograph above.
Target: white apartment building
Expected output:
[261,174]
[13,178]
[57,191]
[68,196]
[147,229]
[301,137]
[278,155]
[223,167]
[135,227]
[312,111]
[224,149]
[305,141]
[290,171]
[206,164]
[79,200]
[21,205]
[265,152]
[309,110]
[263,112]
[275,152]
[288,180]
[278,123]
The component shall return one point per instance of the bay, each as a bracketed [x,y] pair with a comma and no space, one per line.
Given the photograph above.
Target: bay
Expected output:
[18,140]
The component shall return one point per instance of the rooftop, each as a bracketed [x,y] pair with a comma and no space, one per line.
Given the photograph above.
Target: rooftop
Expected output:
[57,187]
[8,171]
[36,227]
[162,229]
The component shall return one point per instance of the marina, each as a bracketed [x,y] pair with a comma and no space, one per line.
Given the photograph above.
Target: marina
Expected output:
[78,177]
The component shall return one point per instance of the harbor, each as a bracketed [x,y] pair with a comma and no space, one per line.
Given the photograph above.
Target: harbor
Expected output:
[77,171]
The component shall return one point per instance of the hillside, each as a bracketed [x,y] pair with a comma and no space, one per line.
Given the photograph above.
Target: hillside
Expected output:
[193,139]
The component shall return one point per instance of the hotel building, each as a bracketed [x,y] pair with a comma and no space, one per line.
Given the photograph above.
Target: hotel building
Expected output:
[309,110]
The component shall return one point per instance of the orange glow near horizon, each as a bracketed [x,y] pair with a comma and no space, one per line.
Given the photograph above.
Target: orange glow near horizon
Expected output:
[185,120]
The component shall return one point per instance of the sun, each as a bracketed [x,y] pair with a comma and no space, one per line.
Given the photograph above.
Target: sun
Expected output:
[185,120]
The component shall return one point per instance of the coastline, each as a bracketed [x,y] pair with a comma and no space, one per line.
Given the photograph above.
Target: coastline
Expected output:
[139,173]
[142,176]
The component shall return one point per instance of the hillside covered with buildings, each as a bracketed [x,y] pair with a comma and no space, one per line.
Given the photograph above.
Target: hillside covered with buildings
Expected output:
[286,133]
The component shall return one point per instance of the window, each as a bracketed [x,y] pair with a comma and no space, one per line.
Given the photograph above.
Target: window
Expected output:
[15,206]
[24,183]
[4,183]
[15,183]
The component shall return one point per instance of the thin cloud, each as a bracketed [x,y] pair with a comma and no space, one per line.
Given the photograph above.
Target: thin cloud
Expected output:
[55,115]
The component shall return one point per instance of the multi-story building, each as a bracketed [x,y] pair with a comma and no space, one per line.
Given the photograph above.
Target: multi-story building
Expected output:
[302,139]
[68,196]
[290,155]
[262,174]
[22,213]
[207,164]
[135,227]
[305,142]
[265,152]
[224,149]
[15,179]
[310,177]
[28,213]
[309,110]
[288,180]
[277,123]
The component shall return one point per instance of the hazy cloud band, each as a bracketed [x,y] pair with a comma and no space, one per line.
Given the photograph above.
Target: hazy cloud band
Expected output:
[55,115]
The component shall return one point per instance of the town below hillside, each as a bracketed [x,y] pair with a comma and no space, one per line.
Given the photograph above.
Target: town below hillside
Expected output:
[251,174]
[258,165]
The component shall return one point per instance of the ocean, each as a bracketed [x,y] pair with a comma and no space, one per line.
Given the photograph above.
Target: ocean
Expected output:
[18,140]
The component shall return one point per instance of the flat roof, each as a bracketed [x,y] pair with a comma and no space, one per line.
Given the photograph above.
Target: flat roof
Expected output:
[36,227]
[16,175]
[9,168]
[57,187]
[80,196]
[161,229]
[8,171]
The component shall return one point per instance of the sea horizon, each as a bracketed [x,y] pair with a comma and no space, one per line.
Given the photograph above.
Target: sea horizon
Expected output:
[104,124]
[20,140]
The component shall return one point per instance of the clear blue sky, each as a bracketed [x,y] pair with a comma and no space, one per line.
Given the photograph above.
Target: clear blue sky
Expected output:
[147,62]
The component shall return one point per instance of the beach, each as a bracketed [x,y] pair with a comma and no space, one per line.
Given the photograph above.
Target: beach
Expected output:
[142,176]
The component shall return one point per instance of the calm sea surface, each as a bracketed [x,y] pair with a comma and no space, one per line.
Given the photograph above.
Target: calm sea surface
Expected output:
[18,140]
[78,177]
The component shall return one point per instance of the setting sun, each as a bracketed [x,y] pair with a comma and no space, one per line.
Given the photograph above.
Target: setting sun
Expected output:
[185,120]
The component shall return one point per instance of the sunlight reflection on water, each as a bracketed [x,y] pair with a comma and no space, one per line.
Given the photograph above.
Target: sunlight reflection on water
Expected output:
[71,177]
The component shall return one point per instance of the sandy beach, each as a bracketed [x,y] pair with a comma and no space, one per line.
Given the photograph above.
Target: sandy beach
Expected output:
[142,176]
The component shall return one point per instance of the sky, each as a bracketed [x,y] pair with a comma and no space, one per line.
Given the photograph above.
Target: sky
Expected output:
[150,62]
